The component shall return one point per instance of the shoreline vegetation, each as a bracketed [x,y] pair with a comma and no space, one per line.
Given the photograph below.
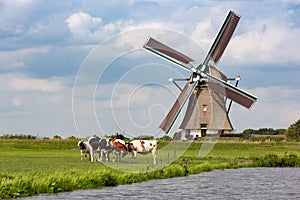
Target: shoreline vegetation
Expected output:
[34,166]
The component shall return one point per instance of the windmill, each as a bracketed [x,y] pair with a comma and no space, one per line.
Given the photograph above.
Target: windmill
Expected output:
[207,88]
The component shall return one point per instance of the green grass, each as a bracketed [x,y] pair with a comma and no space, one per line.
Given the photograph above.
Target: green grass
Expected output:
[30,167]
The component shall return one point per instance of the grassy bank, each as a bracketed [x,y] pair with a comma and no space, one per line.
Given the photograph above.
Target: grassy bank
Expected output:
[30,167]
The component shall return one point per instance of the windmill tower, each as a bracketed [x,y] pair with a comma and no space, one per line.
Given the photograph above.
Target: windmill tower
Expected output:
[207,88]
[206,112]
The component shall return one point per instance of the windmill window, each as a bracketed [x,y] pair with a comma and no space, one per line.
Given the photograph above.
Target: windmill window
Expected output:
[204,108]
[203,126]
[195,90]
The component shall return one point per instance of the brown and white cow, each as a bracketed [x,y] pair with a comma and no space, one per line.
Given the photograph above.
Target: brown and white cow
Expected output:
[119,149]
[142,147]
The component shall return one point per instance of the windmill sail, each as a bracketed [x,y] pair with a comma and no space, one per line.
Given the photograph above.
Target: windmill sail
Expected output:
[168,53]
[237,95]
[222,39]
[168,122]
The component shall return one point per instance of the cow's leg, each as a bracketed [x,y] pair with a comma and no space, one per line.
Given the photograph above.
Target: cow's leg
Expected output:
[118,156]
[106,155]
[154,156]
[134,154]
[81,154]
[100,155]
[84,155]
[92,155]
[88,155]
[113,155]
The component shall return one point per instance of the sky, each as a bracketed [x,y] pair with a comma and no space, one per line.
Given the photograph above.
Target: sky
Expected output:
[77,67]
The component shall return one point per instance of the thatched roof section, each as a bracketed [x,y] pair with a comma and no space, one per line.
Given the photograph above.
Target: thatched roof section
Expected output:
[207,107]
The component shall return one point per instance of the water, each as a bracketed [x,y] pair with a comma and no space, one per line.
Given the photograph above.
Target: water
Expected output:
[245,183]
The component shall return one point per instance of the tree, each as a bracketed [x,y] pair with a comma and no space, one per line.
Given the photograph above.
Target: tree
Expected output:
[247,133]
[166,138]
[177,136]
[293,132]
[57,137]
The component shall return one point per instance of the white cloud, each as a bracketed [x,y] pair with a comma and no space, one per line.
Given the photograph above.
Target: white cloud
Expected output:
[135,109]
[274,44]
[12,16]
[82,24]
[204,34]
[35,85]
[17,83]
[11,60]
[129,26]
[277,93]
[35,106]
[85,27]
[294,2]
[110,27]
[17,2]
[121,106]
[277,107]
[124,95]
[17,101]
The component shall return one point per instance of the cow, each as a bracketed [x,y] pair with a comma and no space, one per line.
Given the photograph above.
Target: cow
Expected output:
[104,150]
[142,147]
[99,145]
[84,150]
[119,149]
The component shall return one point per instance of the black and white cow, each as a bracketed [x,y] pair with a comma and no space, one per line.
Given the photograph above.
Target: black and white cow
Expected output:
[84,150]
[104,150]
[101,146]
[142,147]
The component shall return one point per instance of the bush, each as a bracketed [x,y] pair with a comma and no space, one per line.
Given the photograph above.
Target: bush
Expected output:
[144,137]
[18,136]
[166,138]
[293,132]
[262,131]
[272,160]
[177,136]
[57,137]
[275,138]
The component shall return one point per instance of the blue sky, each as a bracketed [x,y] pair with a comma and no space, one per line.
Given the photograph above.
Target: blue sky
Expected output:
[51,83]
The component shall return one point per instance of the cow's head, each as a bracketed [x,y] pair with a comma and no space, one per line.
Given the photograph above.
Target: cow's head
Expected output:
[81,145]
[130,147]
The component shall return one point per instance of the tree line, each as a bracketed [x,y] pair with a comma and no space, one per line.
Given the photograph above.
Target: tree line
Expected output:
[291,134]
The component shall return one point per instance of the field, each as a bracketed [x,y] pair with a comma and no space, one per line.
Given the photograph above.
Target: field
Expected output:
[30,167]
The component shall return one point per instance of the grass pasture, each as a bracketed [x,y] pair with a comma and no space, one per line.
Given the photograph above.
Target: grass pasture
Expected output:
[30,167]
